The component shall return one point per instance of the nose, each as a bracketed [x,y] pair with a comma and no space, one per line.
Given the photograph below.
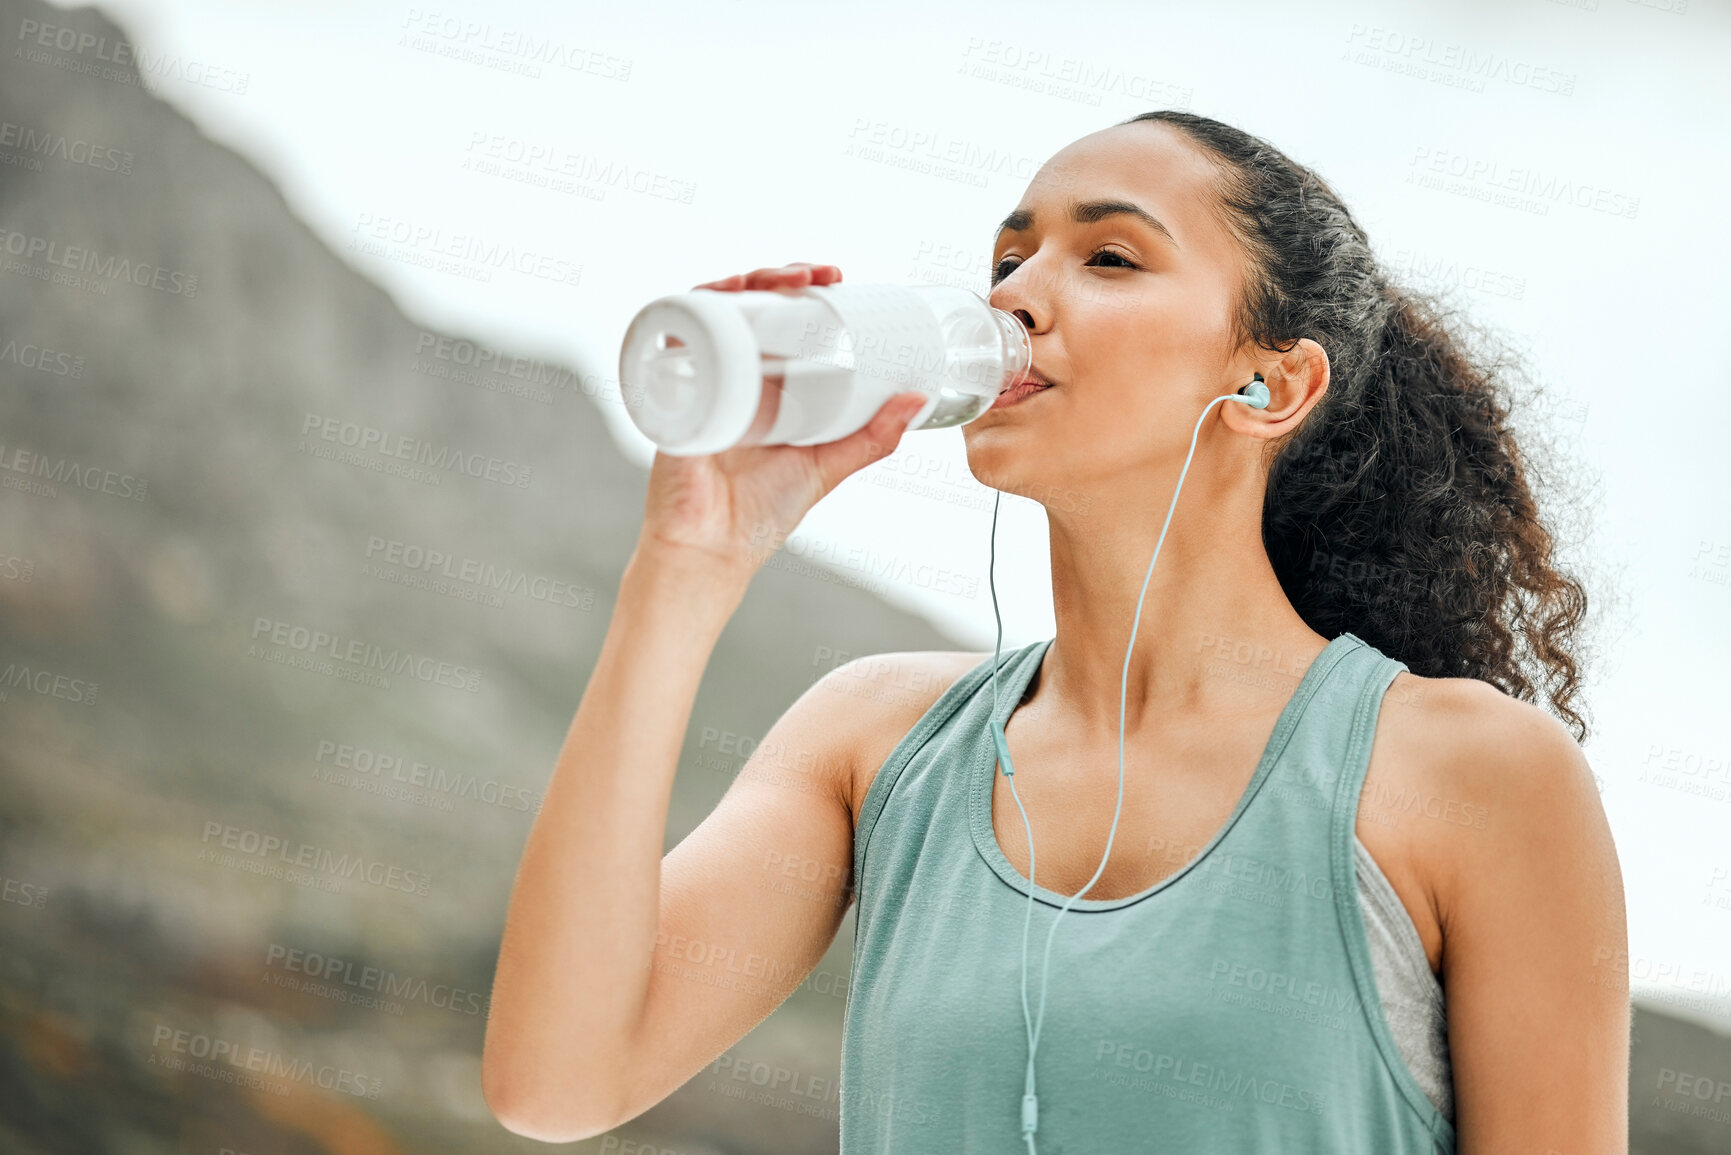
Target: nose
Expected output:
[1013,296]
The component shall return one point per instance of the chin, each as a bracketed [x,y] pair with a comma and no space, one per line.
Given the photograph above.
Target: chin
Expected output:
[1002,458]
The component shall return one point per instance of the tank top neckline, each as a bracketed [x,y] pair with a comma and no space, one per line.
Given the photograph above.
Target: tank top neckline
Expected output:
[984,772]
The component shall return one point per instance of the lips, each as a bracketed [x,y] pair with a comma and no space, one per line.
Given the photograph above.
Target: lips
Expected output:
[1031,377]
[1026,386]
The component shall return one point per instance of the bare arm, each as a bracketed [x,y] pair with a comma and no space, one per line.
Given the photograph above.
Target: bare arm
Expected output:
[752,898]
[1536,957]
[592,1019]
[571,982]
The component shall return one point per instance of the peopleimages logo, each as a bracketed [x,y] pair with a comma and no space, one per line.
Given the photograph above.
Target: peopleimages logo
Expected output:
[1281,993]
[1227,1087]
[445,34]
[1483,177]
[499,153]
[43,143]
[314,644]
[359,767]
[777,548]
[86,260]
[439,563]
[65,471]
[42,359]
[118,60]
[367,439]
[326,969]
[472,253]
[47,683]
[255,844]
[258,1060]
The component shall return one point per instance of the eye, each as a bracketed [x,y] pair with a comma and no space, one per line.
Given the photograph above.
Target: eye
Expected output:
[999,272]
[1127,263]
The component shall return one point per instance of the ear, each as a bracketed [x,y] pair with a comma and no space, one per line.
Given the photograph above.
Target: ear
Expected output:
[1296,381]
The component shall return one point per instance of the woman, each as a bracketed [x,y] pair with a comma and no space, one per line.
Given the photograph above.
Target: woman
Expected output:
[1361,893]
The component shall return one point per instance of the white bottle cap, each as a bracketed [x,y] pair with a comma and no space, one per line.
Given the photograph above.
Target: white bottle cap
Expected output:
[691,373]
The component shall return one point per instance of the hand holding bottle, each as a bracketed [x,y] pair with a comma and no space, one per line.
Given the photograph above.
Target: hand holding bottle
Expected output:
[737,506]
[790,357]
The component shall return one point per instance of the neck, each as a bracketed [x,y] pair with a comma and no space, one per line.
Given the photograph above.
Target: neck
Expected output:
[1217,638]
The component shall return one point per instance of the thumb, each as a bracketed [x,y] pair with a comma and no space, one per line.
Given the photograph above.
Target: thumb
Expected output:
[878,437]
[886,427]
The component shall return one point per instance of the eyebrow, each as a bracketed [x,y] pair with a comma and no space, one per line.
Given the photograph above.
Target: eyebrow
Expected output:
[1086,213]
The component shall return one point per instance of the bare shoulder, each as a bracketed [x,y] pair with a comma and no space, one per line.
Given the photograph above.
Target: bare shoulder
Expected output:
[1511,834]
[1477,781]
[874,701]
[1470,738]
[1522,762]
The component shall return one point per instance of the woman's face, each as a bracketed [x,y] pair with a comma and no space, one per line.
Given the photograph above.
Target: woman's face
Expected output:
[1131,322]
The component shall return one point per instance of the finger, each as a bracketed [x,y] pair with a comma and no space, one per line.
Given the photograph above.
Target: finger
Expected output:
[786,277]
[820,274]
[797,273]
[878,438]
[726,284]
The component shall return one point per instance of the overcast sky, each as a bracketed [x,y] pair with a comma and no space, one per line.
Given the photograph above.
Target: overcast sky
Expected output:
[889,139]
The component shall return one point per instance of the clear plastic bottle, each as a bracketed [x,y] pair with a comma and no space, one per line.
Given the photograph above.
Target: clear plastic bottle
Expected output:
[709,370]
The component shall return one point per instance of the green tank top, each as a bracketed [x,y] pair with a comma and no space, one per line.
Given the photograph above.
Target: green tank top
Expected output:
[1231,1007]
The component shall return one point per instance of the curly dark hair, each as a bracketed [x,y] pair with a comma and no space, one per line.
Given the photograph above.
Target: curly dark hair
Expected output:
[1400,509]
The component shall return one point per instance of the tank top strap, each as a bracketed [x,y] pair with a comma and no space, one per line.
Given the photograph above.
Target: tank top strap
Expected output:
[1277,846]
[1375,672]
[1347,731]
[1320,748]
[1372,672]
[961,711]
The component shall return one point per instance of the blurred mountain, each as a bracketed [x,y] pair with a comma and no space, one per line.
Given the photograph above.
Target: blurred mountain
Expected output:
[183,367]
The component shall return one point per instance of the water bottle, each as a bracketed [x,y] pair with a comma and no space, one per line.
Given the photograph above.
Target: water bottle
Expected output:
[709,370]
